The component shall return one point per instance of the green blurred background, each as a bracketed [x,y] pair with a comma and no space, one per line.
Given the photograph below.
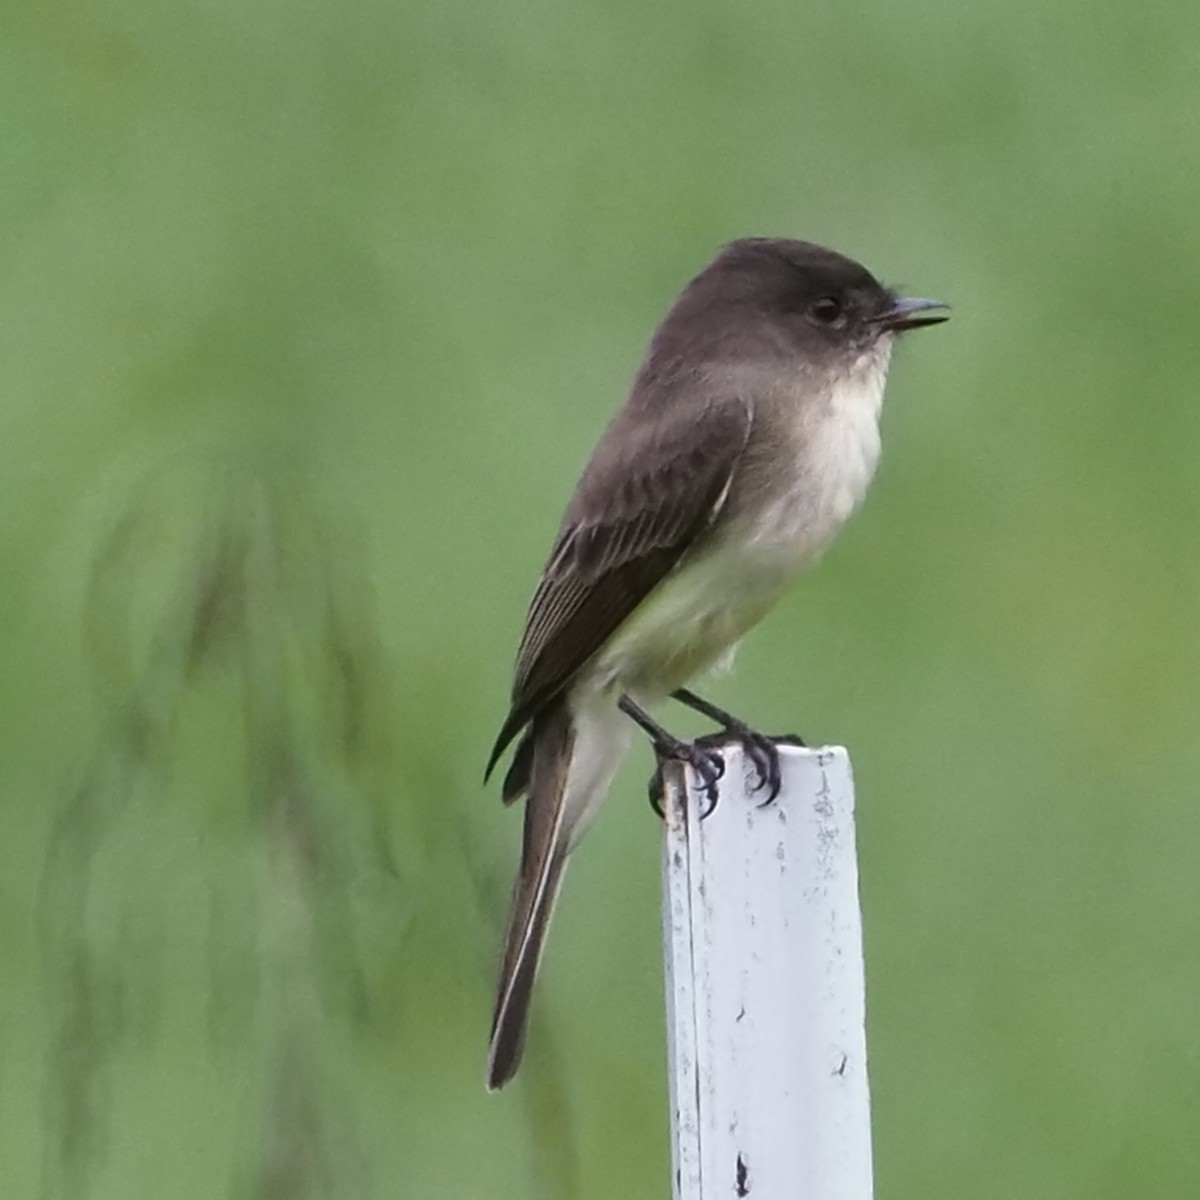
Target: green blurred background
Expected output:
[310,313]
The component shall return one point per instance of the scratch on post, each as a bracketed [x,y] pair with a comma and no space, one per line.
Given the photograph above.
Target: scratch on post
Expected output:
[742,1177]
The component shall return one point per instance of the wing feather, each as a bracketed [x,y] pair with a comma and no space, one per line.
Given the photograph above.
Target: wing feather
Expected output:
[653,487]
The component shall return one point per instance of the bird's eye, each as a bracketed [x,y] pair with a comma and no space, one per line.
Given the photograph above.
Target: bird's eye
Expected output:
[825,309]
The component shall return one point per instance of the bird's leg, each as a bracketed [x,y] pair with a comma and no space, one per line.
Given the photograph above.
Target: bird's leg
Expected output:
[704,760]
[762,750]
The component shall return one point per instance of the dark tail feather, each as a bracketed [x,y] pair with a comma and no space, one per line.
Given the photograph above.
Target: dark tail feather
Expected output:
[516,781]
[543,857]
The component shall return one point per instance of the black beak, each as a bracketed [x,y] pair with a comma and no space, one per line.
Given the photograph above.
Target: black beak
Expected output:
[903,312]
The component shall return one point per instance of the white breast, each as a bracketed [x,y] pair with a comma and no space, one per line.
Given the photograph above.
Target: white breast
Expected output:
[836,447]
[697,614]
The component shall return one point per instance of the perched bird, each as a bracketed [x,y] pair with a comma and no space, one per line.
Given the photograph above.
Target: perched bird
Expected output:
[749,437]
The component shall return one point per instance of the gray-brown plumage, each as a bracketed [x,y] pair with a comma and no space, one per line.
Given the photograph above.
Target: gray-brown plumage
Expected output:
[648,495]
[749,436]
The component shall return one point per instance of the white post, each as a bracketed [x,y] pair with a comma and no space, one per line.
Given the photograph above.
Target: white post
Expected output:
[765,990]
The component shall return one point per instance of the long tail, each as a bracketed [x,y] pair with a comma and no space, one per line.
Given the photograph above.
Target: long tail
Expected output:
[543,856]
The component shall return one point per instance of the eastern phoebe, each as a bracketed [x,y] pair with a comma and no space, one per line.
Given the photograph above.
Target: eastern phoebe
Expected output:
[750,436]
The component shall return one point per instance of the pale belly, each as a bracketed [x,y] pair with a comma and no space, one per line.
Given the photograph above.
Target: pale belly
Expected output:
[688,624]
[697,615]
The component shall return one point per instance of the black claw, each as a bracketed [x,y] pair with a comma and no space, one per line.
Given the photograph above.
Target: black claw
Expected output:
[709,765]
[656,794]
[762,752]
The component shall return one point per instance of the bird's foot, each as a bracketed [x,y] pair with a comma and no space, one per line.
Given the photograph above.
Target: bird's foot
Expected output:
[704,758]
[761,749]
[707,762]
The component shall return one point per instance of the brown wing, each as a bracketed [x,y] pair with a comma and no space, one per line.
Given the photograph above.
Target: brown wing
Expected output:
[653,485]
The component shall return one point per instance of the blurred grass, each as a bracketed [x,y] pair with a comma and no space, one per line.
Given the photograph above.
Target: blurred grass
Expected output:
[407,257]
